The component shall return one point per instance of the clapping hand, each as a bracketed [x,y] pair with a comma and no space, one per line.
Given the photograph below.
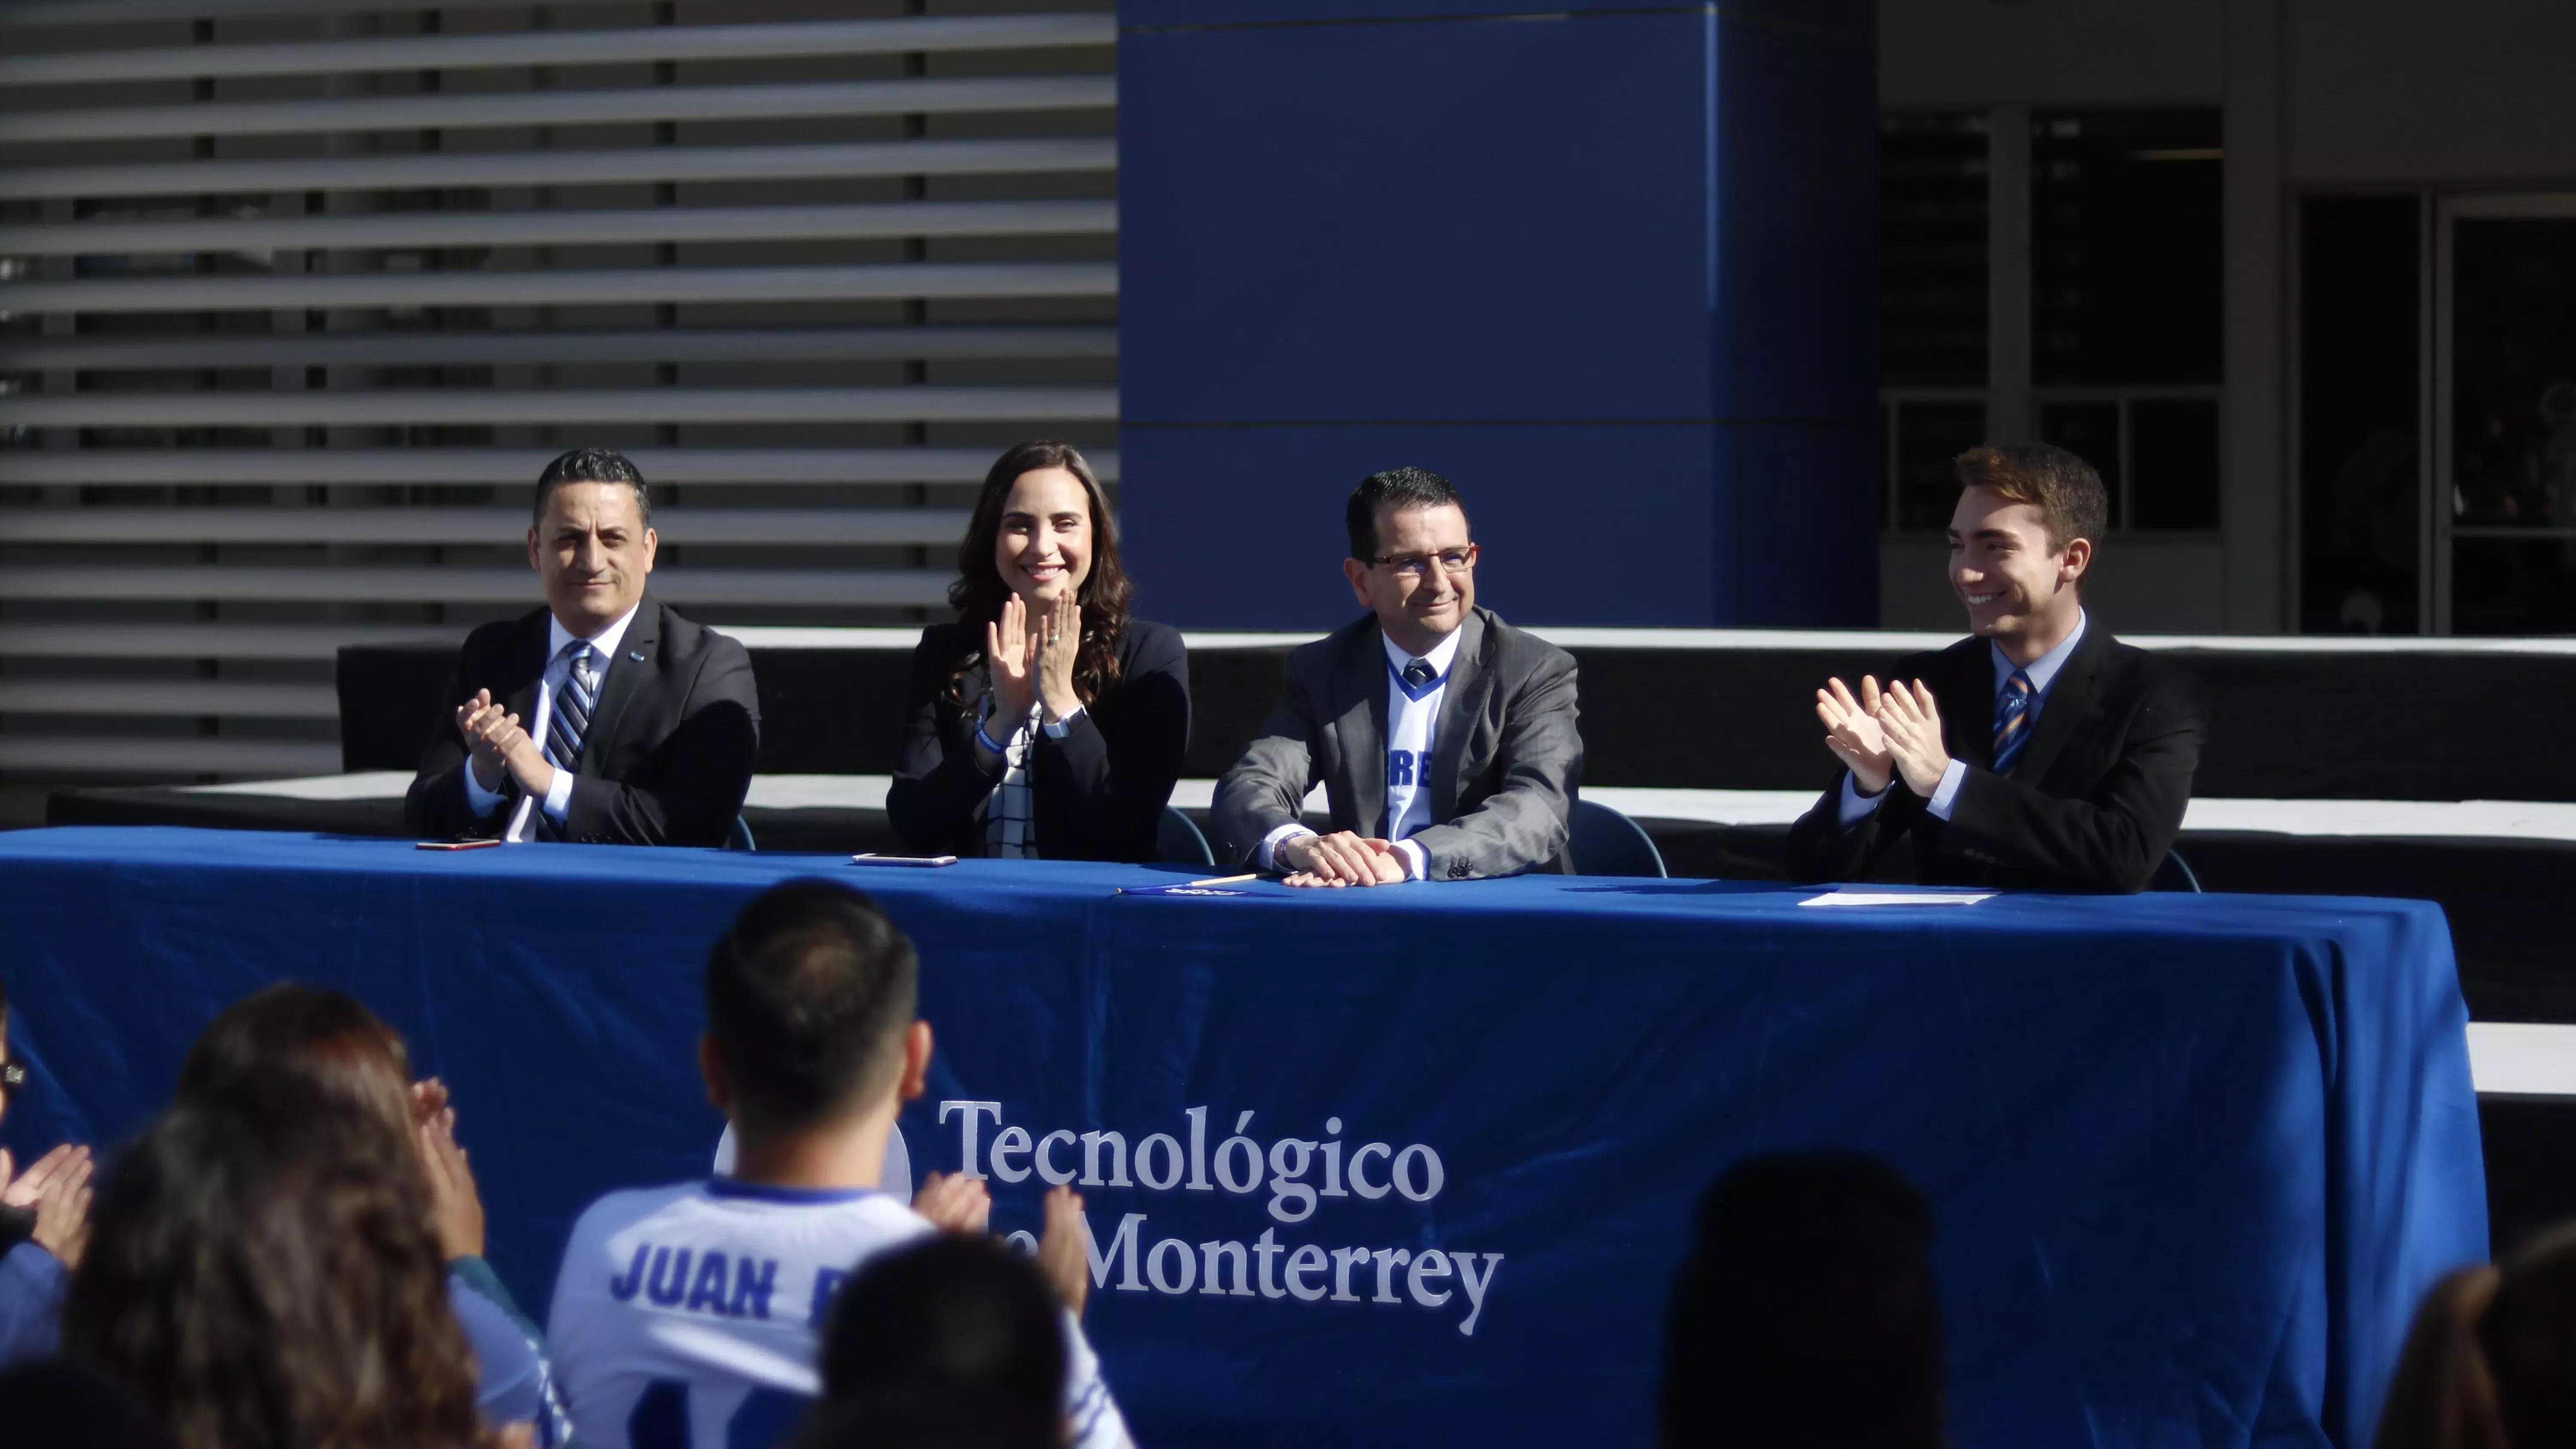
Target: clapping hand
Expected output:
[496,742]
[1339,859]
[57,1187]
[1853,733]
[455,1204]
[1059,640]
[1912,726]
[1012,648]
[1064,1252]
[954,1202]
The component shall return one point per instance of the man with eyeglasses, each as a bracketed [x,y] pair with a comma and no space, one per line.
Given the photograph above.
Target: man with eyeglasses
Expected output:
[1444,738]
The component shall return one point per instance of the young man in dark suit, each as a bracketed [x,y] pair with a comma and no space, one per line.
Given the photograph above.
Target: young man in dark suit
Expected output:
[2064,759]
[1444,738]
[602,717]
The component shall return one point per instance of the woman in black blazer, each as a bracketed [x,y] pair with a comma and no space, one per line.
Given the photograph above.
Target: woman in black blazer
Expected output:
[1046,721]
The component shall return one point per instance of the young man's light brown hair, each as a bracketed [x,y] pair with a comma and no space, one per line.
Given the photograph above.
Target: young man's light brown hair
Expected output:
[2069,495]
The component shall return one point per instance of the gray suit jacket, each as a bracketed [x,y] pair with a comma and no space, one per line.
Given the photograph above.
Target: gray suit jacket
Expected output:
[1505,763]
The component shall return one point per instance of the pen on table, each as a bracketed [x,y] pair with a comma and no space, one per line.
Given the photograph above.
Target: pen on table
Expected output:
[1228,879]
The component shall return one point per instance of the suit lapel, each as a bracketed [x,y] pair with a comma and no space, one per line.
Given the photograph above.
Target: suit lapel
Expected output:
[1462,705]
[2074,698]
[625,681]
[1967,704]
[1359,724]
[528,667]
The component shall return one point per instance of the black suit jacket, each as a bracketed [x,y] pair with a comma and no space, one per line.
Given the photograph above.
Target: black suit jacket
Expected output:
[2094,800]
[1507,757]
[671,746]
[1098,793]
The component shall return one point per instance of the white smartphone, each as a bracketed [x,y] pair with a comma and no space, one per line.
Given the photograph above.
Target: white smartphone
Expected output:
[925,860]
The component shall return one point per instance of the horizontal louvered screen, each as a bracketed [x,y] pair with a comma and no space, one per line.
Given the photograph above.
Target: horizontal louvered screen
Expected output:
[297,295]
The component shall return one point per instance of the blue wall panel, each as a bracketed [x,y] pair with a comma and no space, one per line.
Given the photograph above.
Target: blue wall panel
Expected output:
[1506,249]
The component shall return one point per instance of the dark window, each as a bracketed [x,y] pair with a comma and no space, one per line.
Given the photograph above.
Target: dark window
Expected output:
[2125,247]
[1932,172]
[2360,389]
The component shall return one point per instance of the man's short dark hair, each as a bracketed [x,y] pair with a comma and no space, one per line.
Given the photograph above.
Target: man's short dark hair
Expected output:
[808,996]
[1808,1315]
[963,1311]
[2069,495]
[592,465]
[1399,489]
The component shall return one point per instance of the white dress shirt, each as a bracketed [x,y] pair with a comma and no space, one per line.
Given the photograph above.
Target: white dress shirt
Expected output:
[558,799]
[1412,736]
[1945,796]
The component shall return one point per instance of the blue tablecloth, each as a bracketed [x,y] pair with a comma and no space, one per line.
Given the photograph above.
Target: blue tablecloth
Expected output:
[2195,1157]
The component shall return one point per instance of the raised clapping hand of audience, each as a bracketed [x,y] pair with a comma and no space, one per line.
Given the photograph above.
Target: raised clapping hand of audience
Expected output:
[954,1202]
[497,744]
[1881,735]
[1339,859]
[1064,1251]
[57,1187]
[455,1204]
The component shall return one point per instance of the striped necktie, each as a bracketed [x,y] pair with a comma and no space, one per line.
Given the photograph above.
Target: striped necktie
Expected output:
[2012,720]
[570,718]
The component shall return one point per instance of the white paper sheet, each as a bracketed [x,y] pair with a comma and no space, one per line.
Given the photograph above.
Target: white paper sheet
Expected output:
[1897,898]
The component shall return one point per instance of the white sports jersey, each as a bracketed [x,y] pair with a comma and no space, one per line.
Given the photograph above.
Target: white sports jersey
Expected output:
[691,1316]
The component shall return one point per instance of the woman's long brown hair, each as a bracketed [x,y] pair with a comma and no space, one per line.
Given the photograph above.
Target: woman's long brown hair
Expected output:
[979,593]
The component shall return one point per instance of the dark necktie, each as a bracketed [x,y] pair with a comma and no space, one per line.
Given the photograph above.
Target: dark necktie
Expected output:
[570,718]
[1418,674]
[2012,721]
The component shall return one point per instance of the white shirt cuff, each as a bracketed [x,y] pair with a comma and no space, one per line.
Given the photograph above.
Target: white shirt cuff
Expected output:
[1416,864]
[483,802]
[559,797]
[1272,842]
[1057,729]
[1945,796]
[1857,806]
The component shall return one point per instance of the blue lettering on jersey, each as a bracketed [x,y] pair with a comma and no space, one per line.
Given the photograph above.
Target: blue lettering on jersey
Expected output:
[751,1289]
[709,1289]
[622,1288]
[1399,767]
[827,1281]
[664,1290]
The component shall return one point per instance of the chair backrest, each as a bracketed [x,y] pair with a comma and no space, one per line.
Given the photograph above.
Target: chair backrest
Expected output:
[739,838]
[1605,842]
[2175,874]
[1177,841]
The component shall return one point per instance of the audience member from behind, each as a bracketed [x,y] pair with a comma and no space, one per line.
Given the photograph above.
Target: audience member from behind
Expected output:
[44,1216]
[2491,1360]
[961,1332]
[602,716]
[1807,1316]
[271,1280]
[1046,721]
[695,1312]
[2039,751]
[288,1047]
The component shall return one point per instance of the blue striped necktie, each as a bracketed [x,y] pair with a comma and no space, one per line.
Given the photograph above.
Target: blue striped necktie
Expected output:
[570,718]
[2012,720]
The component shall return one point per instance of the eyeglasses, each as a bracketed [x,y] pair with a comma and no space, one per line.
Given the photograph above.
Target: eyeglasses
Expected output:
[1418,565]
[13,1080]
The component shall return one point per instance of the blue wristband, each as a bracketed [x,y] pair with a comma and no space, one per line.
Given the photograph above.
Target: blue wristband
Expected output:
[988,739]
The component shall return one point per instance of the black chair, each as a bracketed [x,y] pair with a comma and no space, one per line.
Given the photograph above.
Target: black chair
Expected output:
[1177,841]
[2175,874]
[739,838]
[1606,842]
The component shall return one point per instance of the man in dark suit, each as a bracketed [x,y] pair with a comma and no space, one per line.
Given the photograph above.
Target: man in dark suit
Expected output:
[1444,737]
[603,716]
[2064,759]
